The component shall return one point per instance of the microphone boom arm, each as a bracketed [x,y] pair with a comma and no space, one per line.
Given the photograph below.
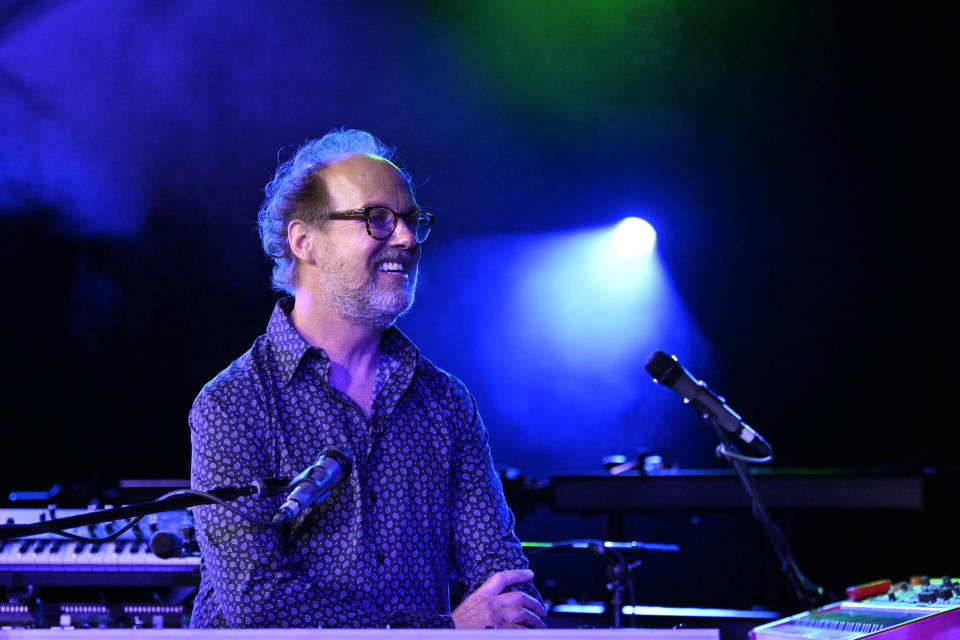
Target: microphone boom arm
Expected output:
[176,501]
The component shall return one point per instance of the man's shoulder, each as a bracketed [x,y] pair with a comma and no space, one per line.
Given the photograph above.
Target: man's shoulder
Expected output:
[243,376]
[433,380]
[443,384]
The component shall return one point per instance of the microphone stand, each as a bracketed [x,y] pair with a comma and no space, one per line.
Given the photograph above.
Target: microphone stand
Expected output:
[618,570]
[262,487]
[809,593]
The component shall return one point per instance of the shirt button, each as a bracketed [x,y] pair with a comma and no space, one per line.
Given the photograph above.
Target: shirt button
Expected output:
[380,558]
[374,498]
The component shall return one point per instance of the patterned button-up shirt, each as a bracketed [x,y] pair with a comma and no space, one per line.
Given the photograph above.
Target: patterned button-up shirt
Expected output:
[422,506]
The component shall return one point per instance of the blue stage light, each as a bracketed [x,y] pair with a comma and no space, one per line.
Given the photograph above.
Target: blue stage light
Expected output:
[634,237]
[552,331]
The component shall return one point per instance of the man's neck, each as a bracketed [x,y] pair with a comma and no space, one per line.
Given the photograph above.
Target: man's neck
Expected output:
[353,349]
[345,342]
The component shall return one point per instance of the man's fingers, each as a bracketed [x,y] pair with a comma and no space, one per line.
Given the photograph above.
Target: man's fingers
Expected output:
[511,617]
[530,620]
[502,579]
[521,600]
[490,605]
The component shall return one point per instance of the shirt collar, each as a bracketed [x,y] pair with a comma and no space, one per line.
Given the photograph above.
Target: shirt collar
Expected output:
[290,348]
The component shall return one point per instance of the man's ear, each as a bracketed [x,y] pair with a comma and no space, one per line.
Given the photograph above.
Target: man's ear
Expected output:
[301,241]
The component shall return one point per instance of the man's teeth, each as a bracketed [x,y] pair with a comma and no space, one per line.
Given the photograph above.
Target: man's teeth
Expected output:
[390,266]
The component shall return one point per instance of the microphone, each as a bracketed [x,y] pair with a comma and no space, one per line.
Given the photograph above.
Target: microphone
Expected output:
[668,372]
[315,483]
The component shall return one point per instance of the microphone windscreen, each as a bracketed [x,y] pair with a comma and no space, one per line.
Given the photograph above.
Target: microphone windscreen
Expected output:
[659,366]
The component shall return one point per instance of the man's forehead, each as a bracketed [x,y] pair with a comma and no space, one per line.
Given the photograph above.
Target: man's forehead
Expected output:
[360,176]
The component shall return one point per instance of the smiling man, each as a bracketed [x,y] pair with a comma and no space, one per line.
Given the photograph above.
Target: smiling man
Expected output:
[422,506]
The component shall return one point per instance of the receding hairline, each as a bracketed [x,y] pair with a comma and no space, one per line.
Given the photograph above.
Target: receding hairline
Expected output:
[356,156]
[320,171]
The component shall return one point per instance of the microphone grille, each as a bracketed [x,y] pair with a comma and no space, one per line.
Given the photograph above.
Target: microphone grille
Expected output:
[664,369]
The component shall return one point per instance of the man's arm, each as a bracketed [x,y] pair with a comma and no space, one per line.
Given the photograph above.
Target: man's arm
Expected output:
[258,574]
[488,554]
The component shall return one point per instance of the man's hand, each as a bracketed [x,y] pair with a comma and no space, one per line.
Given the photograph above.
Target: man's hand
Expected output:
[490,606]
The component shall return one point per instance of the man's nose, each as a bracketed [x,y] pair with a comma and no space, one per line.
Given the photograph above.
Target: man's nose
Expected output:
[402,236]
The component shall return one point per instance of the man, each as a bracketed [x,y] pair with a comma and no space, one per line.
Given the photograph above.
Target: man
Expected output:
[422,505]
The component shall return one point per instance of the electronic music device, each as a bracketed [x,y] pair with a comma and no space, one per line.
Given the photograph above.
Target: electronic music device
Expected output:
[51,560]
[919,609]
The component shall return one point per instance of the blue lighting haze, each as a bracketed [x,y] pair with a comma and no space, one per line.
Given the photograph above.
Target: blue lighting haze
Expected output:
[551,332]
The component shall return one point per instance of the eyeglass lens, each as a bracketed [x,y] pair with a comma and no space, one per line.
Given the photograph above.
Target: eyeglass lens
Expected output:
[381,221]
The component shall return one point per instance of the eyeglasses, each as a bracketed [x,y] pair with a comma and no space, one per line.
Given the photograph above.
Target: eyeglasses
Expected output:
[381,221]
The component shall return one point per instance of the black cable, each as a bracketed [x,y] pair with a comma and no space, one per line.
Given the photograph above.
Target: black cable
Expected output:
[731,455]
[42,528]
[39,528]
[223,503]
[806,591]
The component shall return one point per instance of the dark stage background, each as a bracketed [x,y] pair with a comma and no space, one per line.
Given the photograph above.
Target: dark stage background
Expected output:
[790,155]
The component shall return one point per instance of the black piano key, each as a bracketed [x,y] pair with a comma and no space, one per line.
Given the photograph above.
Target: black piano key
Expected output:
[79,546]
[25,546]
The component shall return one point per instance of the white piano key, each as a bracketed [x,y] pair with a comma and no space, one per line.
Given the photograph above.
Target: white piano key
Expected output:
[8,552]
[63,555]
[59,552]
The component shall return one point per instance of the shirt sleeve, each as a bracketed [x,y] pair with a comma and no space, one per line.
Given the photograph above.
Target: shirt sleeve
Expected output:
[484,540]
[257,574]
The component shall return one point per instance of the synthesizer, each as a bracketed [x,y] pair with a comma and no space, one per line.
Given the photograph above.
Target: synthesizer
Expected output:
[132,559]
[919,609]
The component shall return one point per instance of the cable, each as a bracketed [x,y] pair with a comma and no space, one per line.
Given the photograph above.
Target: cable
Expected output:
[723,452]
[223,503]
[806,591]
[39,528]
[42,528]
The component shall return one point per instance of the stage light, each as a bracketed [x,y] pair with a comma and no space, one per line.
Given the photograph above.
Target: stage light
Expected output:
[552,331]
[634,237]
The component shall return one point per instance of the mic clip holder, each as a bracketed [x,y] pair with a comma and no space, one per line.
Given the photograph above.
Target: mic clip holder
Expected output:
[727,449]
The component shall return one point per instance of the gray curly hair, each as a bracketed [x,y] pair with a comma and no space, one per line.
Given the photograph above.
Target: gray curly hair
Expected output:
[297,192]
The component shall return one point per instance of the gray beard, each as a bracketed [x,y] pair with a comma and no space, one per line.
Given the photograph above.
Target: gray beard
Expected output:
[364,303]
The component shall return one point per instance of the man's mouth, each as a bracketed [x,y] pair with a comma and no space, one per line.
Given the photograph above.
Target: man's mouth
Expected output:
[391,267]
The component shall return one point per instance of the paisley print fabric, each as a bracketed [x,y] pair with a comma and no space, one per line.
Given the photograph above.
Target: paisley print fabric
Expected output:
[422,506]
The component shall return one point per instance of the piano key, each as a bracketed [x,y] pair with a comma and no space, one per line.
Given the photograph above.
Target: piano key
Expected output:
[49,559]
[58,553]
[33,555]
[8,552]
[90,555]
